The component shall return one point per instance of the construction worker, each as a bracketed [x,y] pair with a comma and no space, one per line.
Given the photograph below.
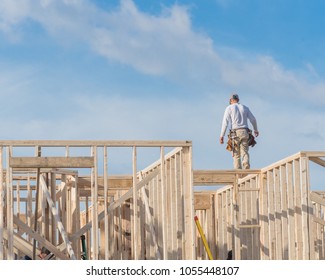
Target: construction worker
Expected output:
[44,253]
[236,116]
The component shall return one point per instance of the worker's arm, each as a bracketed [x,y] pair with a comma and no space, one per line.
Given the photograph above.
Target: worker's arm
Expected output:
[224,125]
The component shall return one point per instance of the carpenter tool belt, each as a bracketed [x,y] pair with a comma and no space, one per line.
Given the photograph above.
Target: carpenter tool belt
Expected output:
[251,139]
[232,144]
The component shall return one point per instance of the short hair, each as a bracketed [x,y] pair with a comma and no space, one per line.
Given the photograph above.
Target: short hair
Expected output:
[234,96]
[44,250]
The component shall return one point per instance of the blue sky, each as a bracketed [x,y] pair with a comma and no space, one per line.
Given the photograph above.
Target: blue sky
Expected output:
[163,70]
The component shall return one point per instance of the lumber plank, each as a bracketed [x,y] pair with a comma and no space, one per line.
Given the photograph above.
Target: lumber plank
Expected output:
[317,198]
[40,239]
[98,143]
[202,202]
[54,162]
[318,161]
[57,218]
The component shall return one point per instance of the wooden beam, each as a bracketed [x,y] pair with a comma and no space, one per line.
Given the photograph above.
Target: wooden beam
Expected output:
[55,162]
[120,182]
[318,220]
[39,239]
[212,177]
[21,244]
[219,177]
[98,143]
[317,198]
[57,218]
[202,201]
[318,161]
[116,204]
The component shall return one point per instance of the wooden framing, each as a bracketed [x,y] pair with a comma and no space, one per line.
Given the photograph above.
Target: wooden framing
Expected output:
[44,201]
[273,214]
[269,213]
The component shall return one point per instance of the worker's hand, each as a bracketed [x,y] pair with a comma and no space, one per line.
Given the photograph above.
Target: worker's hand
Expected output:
[221,140]
[256,133]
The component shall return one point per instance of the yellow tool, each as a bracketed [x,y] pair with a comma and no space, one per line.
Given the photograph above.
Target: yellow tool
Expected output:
[196,219]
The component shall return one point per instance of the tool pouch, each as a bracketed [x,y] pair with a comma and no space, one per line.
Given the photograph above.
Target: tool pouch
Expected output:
[251,138]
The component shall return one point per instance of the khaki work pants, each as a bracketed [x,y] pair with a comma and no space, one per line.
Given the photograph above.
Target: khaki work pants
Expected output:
[241,155]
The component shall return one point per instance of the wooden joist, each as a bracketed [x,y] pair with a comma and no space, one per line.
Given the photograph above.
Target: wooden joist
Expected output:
[220,177]
[55,162]
[318,161]
[317,198]
[202,201]
[117,182]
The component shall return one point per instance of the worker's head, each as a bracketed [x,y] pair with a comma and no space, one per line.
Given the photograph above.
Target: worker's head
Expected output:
[233,98]
[44,252]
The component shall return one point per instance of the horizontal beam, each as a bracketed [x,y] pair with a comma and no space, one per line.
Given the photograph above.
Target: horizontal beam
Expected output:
[318,161]
[55,162]
[202,201]
[218,177]
[89,143]
[117,182]
[116,203]
[317,198]
[318,220]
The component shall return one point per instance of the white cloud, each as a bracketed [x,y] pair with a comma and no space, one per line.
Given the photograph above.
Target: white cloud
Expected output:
[157,45]
[165,45]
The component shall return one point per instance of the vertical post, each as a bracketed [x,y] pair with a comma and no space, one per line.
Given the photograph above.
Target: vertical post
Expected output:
[52,222]
[29,204]
[284,198]
[264,218]
[298,209]
[62,202]
[2,203]
[163,202]
[10,207]
[38,154]
[173,208]
[106,204]
[236,219]
[291,212]
[277,215]
[188,201]
[94,198]
[308,246]
[179,204]
[271,216]
[134,234]
[230,210]
[75,213]
[221,242]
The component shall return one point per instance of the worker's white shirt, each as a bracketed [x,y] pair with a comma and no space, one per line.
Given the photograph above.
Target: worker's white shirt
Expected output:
[236,116]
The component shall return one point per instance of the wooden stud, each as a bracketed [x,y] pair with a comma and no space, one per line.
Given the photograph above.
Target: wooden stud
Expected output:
[106,222]
[2,205]
[284,214]
[163,204]
[278,215]
[298,208]
[135,216]
[271,215]
[291,212]
[94,199]
[9,208]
